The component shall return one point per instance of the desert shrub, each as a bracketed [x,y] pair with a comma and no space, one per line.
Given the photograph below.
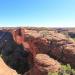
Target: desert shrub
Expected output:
[50,73]
[66,70]
[73,38]
[45,33]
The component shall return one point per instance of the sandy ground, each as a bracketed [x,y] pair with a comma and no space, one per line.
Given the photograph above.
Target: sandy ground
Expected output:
[5,70]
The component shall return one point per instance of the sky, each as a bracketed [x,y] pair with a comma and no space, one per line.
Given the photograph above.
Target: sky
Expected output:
[38,13]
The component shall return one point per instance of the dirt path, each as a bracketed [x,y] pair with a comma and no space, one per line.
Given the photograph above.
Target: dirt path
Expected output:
[5,70]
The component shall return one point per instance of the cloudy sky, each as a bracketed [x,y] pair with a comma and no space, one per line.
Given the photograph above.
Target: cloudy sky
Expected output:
[39,13]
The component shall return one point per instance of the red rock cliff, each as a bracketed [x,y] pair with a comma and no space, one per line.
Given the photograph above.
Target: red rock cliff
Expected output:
[56,45]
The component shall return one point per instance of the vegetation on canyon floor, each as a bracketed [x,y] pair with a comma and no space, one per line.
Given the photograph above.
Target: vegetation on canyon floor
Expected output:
[74,39]
[66,70]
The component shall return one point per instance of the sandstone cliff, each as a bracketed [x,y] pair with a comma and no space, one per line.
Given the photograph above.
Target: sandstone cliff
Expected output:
[54,44]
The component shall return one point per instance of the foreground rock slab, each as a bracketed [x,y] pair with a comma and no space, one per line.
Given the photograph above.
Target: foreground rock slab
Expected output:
[5,70]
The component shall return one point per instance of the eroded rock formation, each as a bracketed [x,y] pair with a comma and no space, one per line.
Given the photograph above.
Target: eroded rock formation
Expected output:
[59,47]
[43,64]
[46,63]
[54,44]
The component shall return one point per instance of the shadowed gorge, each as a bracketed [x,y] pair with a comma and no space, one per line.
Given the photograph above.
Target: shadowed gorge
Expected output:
[13,54]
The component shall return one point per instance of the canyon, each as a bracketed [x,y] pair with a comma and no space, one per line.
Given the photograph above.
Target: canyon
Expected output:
[49,48]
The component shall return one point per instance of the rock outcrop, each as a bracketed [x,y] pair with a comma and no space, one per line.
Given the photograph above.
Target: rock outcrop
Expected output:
[55,44]
[43,65]
[47,64]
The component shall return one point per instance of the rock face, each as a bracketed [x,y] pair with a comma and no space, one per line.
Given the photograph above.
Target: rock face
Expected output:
[5,70]
[55,44]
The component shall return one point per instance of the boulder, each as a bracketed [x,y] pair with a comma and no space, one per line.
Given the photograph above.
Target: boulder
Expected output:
[46,63]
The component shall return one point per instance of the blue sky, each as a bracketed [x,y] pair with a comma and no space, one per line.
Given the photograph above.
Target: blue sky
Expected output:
[48,13]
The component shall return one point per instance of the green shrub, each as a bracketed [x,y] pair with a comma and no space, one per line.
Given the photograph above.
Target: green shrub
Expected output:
[50,73]
[66,70]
